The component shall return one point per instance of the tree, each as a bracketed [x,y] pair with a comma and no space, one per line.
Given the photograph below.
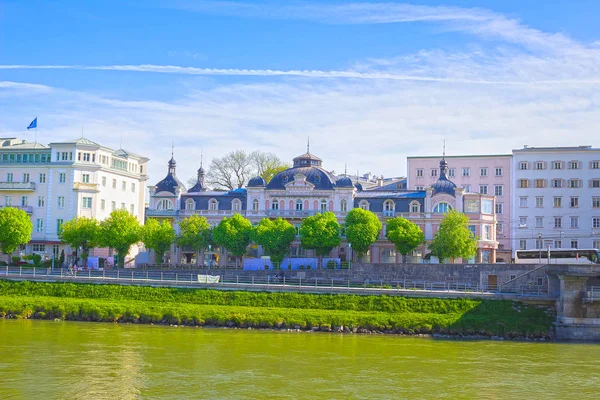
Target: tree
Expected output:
[321,233]
[405,234]
[158,236]
[275,236]
[120,231]
[233,234]
[453,238]
[267,165]
[194,231]
[231,171]
[80,232]
[15,229]
[362,228]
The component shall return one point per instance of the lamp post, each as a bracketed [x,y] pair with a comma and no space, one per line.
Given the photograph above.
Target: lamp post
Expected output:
[349,255]
[210,255]
[540,245]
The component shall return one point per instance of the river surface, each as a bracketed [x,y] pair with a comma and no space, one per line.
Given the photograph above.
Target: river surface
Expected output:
[78,360]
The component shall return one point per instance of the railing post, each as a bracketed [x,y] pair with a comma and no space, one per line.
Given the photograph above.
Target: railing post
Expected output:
[6,269]
[131,275]
[176,277]
[191,279]
[146,275]
[61,273]
[117,274]
[284,280]
[89,274]
[252,280]
[161,276]
[300,283]
[33,271]
[268,280]
[20,270]
[237,280]
[103,274]
[332,283]
[315,281]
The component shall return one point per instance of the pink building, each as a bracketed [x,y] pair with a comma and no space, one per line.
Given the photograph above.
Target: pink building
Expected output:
[484,174]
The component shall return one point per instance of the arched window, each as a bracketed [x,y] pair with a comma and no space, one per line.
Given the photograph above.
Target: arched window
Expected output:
[343,206]
[415,207]
[213,205]
[323,207]
[364,204]
[388,205]
[275,205]
[236,205]
[164,204]
[299,205]
[189,204]
[255,205]
[442,207]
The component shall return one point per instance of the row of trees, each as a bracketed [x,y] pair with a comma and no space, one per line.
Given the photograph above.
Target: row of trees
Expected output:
[320,233]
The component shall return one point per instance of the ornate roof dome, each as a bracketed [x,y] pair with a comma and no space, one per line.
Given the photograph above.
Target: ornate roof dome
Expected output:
[257,181]
[443,185]
[358,187]
[344,182]
[309,166]
[170,183]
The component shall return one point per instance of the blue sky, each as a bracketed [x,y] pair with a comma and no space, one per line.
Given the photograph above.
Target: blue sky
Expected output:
[370,83]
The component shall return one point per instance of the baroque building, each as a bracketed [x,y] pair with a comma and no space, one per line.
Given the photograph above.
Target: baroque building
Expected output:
[306,189]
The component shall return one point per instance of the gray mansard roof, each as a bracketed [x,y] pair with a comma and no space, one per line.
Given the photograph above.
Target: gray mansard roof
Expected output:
[225,199]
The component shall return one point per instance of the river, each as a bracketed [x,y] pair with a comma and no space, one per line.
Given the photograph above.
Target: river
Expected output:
[78,360]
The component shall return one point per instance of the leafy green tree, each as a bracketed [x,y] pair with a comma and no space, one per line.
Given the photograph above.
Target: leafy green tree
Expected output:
[362,228]
[233,234]
[158,236]
[321,233]
[275,236]
[453,238]
[194,231]
[15,229]
[405,234]
[120,231]
[81,232]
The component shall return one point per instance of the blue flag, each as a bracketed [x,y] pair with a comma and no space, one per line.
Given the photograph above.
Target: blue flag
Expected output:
[33,124]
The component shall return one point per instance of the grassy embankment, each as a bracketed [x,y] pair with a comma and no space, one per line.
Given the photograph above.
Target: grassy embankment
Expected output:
[136,304]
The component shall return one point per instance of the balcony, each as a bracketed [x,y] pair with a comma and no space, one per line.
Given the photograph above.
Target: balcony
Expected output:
[161,213]
[85,187]
[18,186]
[388,213]
[290,213]
[27,209]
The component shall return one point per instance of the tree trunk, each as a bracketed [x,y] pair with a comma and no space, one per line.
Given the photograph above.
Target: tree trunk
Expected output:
[403,258]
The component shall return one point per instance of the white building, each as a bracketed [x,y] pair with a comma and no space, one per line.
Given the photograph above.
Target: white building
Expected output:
[63,180]
[556,197]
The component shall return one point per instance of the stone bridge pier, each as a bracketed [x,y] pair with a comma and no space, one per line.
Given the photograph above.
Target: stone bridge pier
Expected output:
[577,290]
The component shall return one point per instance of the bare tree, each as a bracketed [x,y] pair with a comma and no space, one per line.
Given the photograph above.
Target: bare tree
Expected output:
[231,171]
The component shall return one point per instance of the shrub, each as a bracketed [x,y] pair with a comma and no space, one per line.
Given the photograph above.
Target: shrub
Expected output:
[3,263]
[15,259]
[345,264]
[289,266]
[36,259]
[301,266]
[308,266]
[331,264]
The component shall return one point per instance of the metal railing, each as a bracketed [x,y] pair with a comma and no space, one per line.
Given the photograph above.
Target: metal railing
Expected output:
[274,282]
[592,294]
[17,185]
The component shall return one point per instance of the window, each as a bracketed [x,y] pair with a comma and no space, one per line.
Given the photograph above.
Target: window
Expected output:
[483,189]
[539,222]
[557,183]
[275,205]
[523,183]
[123,206]
[419,172]
[415,207]
[523,165]
[64,156]
[574,244]
[434,172]
[61,202]
[539,165]
[62,177]
[87,202]
[522,222]
[522,201]
[499,228]
[442,207]
[299,205]
[558,202]
[557,244]
[123,186]
[466,172]
[558,222]
[41,201]
[420,188]
[85,178]
[114,184]
[595,183]
[574,183]
[452,172]
[498,171]
[595,222]
[7,200]
[499,208]
[189,204]
[38,248]
[131,209]
[539,183]
[86,157]
[25,178]
[104,181]
[364,204]
[596,202]
[538,244]
[39,225]
[255,205]
[557,165]
[237,205]
[487,206]
[113,206]
[487,232]
[473,230]
[498,190]
[343,206]
[102,204]
[42,178]
[574,222]
[467,188]
[24,201]
[595,165]
[573,164]
[213,205]
[59,223]
[483,172]
[133,188]
[539,202]
[9,177]
[522,244]
[323,206]
[574,202]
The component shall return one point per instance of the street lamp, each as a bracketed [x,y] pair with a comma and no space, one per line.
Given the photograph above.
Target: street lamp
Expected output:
[210,256]
[540,245]
[349,255]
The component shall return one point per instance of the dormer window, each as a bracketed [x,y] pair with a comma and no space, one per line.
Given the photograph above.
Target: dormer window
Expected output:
[285,178]
[213,205]
[364,204]
[317,178]
[189,204]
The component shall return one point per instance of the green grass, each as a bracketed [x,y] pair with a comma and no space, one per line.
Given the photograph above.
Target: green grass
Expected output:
[139,304]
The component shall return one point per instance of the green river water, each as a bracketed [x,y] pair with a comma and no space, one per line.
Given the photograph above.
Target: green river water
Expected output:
[72,360]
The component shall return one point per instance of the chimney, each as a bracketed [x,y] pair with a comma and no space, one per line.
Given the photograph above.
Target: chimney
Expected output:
[380,181]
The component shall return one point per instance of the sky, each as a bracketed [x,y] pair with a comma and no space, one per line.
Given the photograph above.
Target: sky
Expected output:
[369,82]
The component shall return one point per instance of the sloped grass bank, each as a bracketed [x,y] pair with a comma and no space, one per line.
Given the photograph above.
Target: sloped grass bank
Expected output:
[138,304]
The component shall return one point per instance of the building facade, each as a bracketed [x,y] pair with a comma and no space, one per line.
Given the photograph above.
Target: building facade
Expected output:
[307,188]
[57,182]
[489,175]
[556,197]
